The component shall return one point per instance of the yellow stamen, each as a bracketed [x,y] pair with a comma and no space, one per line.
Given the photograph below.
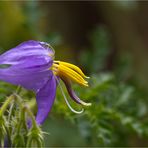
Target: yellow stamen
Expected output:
[72,66]
[70,71]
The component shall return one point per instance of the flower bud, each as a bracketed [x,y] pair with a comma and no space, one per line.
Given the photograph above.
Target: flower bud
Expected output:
[18,140]
[35,137]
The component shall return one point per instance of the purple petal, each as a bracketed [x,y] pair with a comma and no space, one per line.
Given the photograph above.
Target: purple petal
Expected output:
[72,93]
[32,81]
[45,98]
[32,64]
[25,50]
[29,65]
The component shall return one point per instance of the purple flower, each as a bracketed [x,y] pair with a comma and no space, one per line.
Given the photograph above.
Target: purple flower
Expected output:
[31,65]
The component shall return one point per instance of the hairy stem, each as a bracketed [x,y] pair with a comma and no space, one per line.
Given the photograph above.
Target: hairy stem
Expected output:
[6,104]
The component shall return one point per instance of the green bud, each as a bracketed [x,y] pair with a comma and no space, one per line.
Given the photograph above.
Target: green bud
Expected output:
[35,137]
[18,140]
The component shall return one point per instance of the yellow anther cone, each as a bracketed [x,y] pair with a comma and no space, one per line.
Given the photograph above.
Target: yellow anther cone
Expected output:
[70,71]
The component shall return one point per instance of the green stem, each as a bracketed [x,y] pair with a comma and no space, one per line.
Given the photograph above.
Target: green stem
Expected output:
[10,112]
[18,99]
[32,116]
[22,119]
[18,89]
[29,141]
[6,104]
[20,124]
[26,109]
[9,99]
[8,134]
[2,143]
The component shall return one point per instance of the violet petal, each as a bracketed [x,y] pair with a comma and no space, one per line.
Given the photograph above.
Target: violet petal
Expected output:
[24,50]
[45,98]
[72,93]
[31,81]
[29,65]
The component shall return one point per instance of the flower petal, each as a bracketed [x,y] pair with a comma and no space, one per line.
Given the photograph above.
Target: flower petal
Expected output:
[32,64]
[31,81]
[29,65]
[72,93]
[45,98]
[24,50]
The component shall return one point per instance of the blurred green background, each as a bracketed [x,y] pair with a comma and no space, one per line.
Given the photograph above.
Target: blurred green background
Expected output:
[109,41]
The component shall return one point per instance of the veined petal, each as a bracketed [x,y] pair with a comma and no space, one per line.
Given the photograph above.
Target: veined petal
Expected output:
[32,81]
[45,98]
[32,64]
[29,65]
[25,50]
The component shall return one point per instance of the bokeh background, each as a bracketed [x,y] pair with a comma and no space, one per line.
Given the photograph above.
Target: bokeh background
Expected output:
[109,41]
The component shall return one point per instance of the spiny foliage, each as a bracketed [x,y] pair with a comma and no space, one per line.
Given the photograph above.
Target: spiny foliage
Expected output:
[17,125]
[118,111]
